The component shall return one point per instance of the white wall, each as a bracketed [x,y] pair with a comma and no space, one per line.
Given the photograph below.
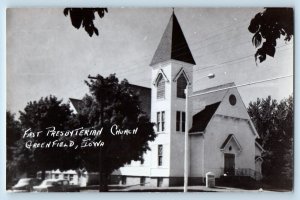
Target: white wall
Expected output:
[216,134]
[239,110]
[205,153]
[197,155]
[227,120]
[178,104]
[172,141]
[150,167]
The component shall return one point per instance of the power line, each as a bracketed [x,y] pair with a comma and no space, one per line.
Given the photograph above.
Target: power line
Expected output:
[128,71]
[234,60]
[196,49]
[222,49]
[242,85]
[203,40]
[199,42]
[212,36]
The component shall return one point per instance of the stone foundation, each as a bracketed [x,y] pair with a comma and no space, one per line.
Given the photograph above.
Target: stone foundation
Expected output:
[155,181]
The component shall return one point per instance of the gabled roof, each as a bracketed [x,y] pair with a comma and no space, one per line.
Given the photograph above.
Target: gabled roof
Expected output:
[160,73]
[212,95]
[228,139]
[201,119]
[216,89]
[259,146]
[173,45]
[181,71]
[258,158]
[76,103]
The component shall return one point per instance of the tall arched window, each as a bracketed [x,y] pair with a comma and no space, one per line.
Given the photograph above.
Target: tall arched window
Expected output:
[181,86]
[160,87]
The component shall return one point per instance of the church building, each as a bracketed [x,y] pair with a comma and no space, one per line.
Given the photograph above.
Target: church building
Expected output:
[222,137]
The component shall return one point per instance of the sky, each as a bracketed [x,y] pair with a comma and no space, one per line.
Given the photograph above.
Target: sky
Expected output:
[47,55]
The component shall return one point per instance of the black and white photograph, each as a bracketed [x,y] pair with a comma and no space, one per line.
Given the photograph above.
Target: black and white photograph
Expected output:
[170,99]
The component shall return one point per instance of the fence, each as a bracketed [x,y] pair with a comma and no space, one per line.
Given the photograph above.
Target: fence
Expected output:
[243,172]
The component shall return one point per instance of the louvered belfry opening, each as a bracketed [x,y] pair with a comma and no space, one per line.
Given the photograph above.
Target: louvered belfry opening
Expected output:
[160,87]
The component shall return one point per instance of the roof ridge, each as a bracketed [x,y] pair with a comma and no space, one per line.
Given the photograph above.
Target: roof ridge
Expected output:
[74,99]
[139,86]
[223,86]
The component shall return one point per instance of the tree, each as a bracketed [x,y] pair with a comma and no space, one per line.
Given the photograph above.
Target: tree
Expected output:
[267,27]
[113,104]
[274,123]
[84,17]
[286,126]
[13,134]
[38,116]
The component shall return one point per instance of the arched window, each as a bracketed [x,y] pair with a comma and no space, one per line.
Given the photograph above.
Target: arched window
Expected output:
[160,87]
[181,86]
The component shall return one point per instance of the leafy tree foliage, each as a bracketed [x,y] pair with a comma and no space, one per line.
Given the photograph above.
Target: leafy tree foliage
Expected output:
[275,123]
[267,27]
[13,134]
[84,17]
[113,103]
[37,116]
[110,104]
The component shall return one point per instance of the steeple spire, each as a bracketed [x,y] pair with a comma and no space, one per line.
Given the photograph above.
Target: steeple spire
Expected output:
[173,45]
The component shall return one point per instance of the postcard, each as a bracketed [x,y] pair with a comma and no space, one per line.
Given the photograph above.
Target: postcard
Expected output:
[150,99]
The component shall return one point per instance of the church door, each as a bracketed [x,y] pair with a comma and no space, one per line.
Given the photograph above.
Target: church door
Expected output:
[229,164]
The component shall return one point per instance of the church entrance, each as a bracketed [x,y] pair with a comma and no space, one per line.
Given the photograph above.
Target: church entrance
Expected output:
[229,164]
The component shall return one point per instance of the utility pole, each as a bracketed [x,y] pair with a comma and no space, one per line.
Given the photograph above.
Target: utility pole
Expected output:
[186,135]
[186,141]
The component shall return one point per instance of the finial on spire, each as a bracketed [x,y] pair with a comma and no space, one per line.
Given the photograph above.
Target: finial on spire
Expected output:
[173,10]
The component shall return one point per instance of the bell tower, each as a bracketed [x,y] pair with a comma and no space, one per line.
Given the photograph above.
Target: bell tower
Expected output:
[172,70]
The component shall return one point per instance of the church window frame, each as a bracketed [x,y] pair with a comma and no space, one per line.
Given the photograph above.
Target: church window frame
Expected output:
[161,87]
[232,99]
[182,81]
[183,121]
[181,86]
[180,121]
[160,155]
[160,121]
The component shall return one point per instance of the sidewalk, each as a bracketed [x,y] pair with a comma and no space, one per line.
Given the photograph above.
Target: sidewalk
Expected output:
[138,188]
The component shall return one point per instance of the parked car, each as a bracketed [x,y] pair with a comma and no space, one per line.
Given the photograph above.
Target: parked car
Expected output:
[54,185]
[26,184]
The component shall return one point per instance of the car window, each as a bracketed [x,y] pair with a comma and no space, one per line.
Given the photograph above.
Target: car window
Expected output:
[59,183]
[66,183]
[49,182]
[37,181]
[24,180]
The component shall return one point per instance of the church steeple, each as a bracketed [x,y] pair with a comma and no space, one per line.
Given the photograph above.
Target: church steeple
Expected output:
[173,45]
